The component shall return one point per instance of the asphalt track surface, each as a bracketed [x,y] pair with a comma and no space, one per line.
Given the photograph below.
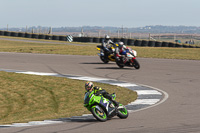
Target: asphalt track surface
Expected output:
[180,113]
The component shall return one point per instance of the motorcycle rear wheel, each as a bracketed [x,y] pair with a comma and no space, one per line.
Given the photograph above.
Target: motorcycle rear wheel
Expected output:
[99,113]
[120,64]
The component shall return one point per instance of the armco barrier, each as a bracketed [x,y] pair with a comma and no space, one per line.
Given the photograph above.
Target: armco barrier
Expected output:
[101,39]
[49,37]
[35,36]
[54,37]
[83,39]
[1,33]
[21,34]
[165,44]
[124,40]
[158,44]
[151,43]
[171,44]
[15,34]
[62,38]
[41,36]
[86,39]
[144,43]
[7,33]
[191,46]
[178,45]
[138,42]
[96,40]
[131,42]
[28,35]
[89,39]
[76,39]
[185,46]
[116,40]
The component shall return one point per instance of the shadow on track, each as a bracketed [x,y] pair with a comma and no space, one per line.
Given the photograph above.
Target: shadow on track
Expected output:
[82,119]
[95,63]
[117,68]
[77,119]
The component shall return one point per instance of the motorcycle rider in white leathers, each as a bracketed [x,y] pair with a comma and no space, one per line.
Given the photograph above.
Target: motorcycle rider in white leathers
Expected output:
[120,52]
[106,44]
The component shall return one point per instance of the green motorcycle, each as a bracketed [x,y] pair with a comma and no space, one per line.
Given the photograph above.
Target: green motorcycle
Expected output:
[102,108]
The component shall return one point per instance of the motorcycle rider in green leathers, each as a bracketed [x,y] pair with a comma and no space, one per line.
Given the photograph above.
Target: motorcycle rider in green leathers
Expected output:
[89,86]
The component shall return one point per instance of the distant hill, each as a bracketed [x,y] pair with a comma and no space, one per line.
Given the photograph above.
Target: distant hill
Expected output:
[96,29]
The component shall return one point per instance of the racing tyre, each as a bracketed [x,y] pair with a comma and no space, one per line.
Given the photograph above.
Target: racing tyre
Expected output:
[136,64]
[122,112]
[99,113]
[120,65]
[104,59]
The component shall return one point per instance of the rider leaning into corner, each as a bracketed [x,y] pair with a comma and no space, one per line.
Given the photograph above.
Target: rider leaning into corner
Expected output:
[120,52]
[89,86]
[106,44]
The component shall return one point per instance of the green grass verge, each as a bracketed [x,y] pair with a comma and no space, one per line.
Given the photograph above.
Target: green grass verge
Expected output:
[26,98]
[90,49]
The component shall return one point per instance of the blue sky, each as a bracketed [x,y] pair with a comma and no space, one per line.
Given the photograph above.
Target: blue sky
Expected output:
[129,13]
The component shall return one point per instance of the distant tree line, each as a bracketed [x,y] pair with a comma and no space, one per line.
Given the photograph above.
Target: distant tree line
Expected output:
[96,29]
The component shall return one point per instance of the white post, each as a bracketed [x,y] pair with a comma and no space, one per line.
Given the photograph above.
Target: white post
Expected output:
[26,29]
[99,33]
[118,34]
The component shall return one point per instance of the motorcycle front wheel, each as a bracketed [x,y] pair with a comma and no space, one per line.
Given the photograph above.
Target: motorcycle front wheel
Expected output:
[122,113]
[136,64]
[105,60]
[99,113]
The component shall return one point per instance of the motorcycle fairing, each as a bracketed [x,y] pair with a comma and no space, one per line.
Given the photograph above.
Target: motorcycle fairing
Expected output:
[108,105]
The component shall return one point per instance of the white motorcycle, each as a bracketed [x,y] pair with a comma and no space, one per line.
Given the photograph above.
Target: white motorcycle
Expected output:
[129,59]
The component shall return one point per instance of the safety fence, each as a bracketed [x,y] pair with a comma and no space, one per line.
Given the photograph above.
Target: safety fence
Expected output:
[130,42]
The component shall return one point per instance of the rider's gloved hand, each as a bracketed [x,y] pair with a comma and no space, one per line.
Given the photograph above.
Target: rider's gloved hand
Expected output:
[107,49]
[96,88]
[123,56]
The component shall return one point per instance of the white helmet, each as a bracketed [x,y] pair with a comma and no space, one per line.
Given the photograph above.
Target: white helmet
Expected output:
[121,44]
[107,37]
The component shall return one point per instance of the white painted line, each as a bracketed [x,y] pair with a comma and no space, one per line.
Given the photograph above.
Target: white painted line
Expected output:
[87,115]
[38,73]
[50,121]
[6,126]
[20,125]
[124,84]
[87,78]
[40,122]
[148,92]
[144,101]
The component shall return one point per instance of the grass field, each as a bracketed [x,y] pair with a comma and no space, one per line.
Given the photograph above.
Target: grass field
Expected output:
[26,98]
[90,49]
